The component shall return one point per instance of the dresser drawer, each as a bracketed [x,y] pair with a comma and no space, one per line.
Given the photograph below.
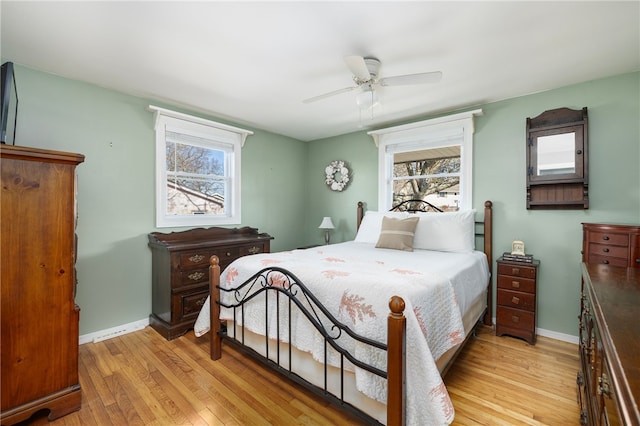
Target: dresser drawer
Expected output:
[610,238]
[189,304]
[193,276]
[516,299]
[607,260]
[517,270]
[515,283]
[515,318]
[194,259]
[609,250]
[252,249]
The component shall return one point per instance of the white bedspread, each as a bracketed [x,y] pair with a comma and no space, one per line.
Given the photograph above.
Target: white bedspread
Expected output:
[355,282]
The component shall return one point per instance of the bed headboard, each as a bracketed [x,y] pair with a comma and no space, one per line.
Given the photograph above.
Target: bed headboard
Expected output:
[484,230]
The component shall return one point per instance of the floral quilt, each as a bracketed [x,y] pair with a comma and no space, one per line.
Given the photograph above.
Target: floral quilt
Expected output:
[356,287]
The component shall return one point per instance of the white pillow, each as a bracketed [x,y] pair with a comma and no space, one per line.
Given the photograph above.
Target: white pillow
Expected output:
[448,231]
[369,230]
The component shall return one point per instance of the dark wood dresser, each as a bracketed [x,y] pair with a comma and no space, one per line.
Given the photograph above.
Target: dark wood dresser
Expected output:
[516,299]
[39,317]
[609,333]
[180,271]
[611,244]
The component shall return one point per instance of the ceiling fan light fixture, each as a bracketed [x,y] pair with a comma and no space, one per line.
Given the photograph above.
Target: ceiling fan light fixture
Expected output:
[367,97]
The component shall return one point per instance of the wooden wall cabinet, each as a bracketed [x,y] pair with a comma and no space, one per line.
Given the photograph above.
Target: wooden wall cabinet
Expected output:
[557,160]
[609,344]
[39,317]
[516,299]
[180,271]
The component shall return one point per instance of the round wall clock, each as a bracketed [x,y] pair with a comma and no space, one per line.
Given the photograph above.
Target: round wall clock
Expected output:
[337,175]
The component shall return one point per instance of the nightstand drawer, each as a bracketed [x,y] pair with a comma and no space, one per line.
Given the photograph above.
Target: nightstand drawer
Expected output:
[523,270]
[515,283]
[516,299]
[515,318]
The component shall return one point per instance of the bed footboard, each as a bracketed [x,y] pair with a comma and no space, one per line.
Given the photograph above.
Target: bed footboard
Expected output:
[286,285]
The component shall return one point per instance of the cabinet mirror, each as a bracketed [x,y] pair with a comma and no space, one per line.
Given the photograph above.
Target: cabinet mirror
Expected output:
[557,159]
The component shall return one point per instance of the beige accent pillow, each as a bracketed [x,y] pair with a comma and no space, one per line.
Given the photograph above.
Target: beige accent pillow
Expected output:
[397,234]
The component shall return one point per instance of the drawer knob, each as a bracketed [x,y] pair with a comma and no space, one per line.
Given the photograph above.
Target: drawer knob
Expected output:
[228,254]
[196,258]
[515,271]
[254,250]
[515,300]
[515,284]
[605,237]
[606,262]
[515,318]
[195,276]
[606,250]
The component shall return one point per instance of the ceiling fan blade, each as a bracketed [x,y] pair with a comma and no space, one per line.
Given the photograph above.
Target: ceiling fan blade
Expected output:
[403,80]
[358,67]
[327,95]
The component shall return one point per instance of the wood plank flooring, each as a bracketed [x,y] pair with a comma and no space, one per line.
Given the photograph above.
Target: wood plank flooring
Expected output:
[142,379]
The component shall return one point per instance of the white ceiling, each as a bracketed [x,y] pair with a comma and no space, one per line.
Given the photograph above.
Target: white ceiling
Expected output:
[254,62]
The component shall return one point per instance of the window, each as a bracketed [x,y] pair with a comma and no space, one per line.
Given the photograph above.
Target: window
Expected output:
[429,160]
[197,171]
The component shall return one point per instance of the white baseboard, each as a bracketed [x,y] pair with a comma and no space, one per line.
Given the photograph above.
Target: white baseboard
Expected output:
[558,336]
[109,333]
[552,334]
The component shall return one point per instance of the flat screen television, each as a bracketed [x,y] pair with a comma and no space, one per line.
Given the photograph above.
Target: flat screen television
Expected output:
[9,105]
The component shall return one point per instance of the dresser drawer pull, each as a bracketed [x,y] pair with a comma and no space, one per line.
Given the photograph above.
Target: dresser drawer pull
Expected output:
[515,284]
[603,385]
[638,260]
[254,250]
[201,301]
[515,271]
[195,276]
[515,300]
[605,237]
[515,318]
[606,250]
[606,262]
[196,258]
[228,254]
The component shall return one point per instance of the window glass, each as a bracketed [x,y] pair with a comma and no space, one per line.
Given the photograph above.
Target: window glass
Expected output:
[429,160]
[432,175]
[197,171]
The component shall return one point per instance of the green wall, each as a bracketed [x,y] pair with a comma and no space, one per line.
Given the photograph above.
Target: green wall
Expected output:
[116,185]
[554,237]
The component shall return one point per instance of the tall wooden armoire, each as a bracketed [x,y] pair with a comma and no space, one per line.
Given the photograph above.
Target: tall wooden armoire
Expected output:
[39,328]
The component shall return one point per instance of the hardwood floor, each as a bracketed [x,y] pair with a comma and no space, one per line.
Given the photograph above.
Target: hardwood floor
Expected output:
[142,379]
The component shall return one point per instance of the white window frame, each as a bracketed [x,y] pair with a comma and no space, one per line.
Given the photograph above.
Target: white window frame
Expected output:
[225,138]
[456,129]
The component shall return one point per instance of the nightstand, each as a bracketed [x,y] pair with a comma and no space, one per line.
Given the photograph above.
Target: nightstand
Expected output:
[516,299]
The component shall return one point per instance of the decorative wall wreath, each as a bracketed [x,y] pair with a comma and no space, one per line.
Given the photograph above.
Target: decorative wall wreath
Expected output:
[337,167]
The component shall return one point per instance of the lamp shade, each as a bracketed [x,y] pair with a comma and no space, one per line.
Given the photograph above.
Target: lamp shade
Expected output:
[326,223]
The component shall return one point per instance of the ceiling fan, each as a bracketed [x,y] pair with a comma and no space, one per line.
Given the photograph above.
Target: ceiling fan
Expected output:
[365,76]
